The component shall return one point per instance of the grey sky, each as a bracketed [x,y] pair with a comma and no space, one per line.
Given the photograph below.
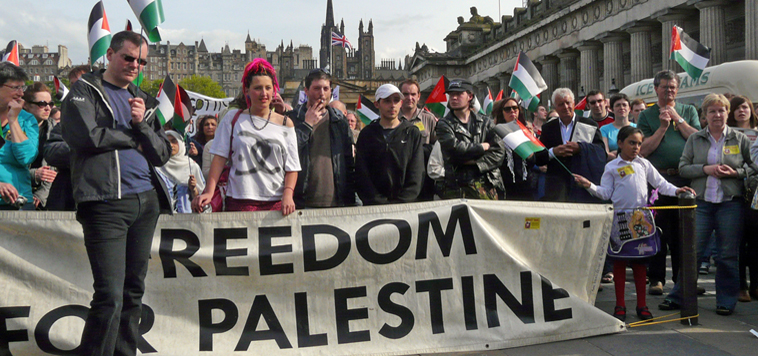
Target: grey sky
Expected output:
[398,24]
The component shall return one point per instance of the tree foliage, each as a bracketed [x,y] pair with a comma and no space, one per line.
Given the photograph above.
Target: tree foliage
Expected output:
[151,86]
[203,85]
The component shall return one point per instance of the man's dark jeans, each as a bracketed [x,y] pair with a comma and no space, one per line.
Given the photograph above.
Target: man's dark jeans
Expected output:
[118,235]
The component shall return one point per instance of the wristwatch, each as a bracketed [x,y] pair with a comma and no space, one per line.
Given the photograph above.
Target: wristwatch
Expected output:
[680,121]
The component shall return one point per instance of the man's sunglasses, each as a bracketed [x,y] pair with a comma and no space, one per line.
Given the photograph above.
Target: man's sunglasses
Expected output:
[42,104]
[130,59]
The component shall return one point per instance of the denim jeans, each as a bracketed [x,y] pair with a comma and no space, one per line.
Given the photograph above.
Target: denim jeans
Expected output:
[726,220]
[118,235]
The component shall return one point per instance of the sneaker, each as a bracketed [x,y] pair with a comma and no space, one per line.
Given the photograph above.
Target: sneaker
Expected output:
[744,296]
[655,288]
[721,310]
[704,268]
[620,313]
[607,278]
[669,305]
[644,313]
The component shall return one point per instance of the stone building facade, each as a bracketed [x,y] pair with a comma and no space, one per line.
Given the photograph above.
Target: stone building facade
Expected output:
[41,64]
[588,44]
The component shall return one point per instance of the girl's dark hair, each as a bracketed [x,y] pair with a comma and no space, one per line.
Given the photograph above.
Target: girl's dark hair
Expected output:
[627,131]
[497,111]
[200,134]
[734,103]
[620,96]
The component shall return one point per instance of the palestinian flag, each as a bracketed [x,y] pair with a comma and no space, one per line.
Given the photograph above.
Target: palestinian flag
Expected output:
[531,104]
[60,88]
[690,54]
[477,105]
[366,110]
[519,139]
[99,36]
[174,105]
[150,15]
[437,100]
[499,95]
[581,108]
[128,26]
[11,53]
[487,106]
[526,79]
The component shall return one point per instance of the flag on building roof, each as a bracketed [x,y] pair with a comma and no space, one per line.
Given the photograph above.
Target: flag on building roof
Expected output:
[173,105]
[11,53]
[60,88]
[488,103]
[519,139]
[531,104]
[499,95]
[341,40]
[336,93]
[99,35]
[150,15]
[526,79]
[437,100]
[581,108]
[366,110]
[690,54]
[128,26]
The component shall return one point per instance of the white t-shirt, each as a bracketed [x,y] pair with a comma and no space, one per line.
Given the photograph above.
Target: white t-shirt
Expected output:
[259,157]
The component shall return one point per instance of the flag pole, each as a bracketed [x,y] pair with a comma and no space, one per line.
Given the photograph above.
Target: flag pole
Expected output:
[139,71]
[564,166]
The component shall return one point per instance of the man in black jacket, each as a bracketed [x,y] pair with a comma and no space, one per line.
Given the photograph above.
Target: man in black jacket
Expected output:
[389,160]
[325,148]
[577,143]
[471,149]
[116,141]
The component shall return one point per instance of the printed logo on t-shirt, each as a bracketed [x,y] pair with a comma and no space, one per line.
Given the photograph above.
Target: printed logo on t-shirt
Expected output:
[625,171]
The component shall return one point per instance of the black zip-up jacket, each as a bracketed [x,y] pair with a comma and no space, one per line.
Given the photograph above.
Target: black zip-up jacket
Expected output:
[461,146]
[343,162]
[389,170]
[89,129]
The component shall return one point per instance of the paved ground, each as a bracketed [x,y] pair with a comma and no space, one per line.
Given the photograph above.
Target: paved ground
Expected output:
[714,336]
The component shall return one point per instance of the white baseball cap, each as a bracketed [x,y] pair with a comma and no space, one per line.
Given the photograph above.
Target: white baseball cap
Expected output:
[386,90]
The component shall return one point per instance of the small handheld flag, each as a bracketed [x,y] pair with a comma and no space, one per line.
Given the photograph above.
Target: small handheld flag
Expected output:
[150,15]
[488,103]
[437,100]
[128,26]
[690,54]
[526,79]
[99,35]
[11,53]
[519,139]
[366,110]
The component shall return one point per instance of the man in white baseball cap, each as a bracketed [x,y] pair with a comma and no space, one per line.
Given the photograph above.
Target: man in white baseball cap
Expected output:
[389,161]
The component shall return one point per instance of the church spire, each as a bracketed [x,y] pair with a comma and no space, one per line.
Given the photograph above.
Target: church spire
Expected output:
[329,14]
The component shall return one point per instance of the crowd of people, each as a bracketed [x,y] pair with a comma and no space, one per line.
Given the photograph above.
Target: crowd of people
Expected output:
[105,155]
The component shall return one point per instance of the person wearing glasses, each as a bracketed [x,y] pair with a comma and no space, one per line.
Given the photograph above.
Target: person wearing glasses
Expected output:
[389,162]
[517,173]
[116,142]
[598,111]
[18,143]
[325,148]
[666,126]
[39,102]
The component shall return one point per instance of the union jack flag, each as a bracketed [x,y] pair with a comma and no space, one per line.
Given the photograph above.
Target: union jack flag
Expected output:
[338,40]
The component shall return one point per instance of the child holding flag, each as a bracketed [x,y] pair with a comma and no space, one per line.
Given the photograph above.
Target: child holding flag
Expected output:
[625,182]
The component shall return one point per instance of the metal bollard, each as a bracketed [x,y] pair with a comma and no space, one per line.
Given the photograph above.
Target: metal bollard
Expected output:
[688,259]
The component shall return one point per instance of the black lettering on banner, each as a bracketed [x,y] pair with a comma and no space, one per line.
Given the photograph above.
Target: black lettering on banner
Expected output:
[221,253]
[549,295]
[168,255]
[364,248]
[304,336]
[8,336]
[145,324]
[406,315]
[262,308]
[469,302]
[494,287]
[42,331]
[344,315]
[435,288]
[265,250]
[205,320]
[458,216]
[310,260]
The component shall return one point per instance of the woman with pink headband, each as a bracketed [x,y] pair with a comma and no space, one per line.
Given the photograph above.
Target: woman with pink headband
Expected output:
[261,147]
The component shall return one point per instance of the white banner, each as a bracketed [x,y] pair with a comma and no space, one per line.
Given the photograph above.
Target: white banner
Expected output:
[205,105]
[432,277]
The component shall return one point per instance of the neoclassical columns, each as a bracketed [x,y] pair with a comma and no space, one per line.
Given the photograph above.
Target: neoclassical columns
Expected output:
[568,71]
[642,63]
[494,84]
[504,78]
[751,23]
[550,74]
[613,58]
[588,68]
[713,29]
